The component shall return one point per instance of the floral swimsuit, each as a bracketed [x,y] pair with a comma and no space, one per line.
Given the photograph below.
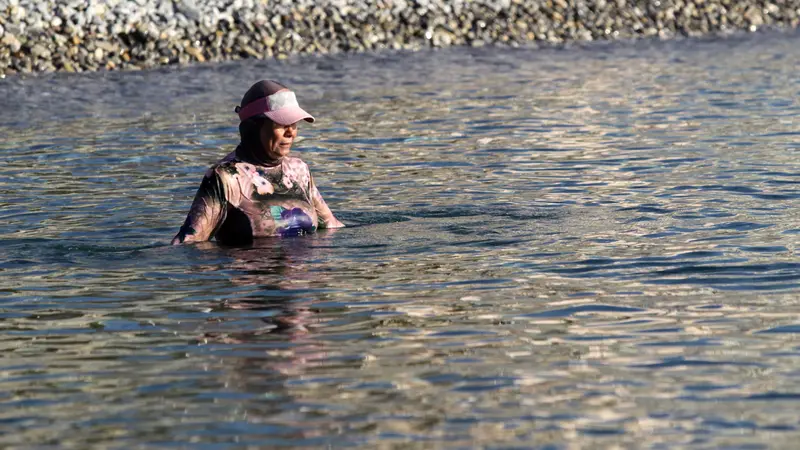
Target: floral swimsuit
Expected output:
[239,200]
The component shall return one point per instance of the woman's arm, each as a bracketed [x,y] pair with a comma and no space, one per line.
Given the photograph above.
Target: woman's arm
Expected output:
[207,213]
[324,214]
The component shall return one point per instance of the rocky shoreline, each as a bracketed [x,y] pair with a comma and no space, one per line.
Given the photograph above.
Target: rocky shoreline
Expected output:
[88,35]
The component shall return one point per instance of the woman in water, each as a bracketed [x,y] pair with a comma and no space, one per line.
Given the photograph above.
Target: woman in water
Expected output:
[259,190]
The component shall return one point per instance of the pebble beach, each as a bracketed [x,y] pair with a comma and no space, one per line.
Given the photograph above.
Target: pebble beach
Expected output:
[78,35]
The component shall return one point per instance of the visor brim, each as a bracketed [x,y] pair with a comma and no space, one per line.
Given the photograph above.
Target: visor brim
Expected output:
[289,115]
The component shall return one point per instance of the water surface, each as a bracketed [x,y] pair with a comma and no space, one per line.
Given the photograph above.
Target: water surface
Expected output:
[590,246]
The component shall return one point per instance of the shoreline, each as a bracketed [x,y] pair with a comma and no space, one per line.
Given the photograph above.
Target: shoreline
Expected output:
[78,36]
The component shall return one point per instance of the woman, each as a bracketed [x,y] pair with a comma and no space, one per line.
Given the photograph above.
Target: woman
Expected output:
[259,190]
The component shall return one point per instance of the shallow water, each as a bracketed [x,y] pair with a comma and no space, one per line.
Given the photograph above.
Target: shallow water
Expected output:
[591,246]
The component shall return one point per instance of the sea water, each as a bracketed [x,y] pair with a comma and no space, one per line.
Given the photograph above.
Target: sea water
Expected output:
[593,246]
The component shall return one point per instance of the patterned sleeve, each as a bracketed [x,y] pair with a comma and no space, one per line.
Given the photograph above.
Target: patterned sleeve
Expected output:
[207,213]
[324,214]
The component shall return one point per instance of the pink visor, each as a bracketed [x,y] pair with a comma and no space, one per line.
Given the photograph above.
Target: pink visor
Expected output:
[281,107]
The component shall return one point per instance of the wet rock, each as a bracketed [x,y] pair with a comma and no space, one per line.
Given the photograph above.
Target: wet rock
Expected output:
[196,53]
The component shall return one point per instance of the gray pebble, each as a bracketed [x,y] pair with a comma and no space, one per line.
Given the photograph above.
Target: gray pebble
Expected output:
[40,52]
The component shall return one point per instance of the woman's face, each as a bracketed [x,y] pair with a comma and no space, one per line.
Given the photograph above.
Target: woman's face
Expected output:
[277,139]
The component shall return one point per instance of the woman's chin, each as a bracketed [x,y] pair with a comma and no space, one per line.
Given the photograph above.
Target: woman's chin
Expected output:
[278,153]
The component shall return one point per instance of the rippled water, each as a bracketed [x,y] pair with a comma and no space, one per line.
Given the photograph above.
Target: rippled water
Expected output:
[593,246]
